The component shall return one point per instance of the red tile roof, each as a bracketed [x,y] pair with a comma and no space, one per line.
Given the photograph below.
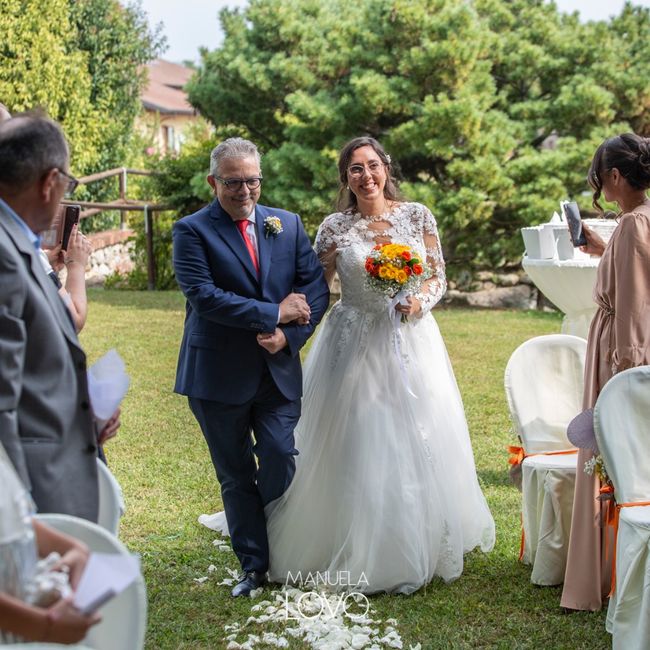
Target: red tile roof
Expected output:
[164,91]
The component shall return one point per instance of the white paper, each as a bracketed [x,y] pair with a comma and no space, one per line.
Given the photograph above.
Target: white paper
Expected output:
[106,575]
[108,383]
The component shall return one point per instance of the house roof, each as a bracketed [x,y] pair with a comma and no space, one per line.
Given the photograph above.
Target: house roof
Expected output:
[164,91]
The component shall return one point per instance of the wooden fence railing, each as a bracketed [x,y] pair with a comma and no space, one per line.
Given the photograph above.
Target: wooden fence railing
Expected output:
[124,205]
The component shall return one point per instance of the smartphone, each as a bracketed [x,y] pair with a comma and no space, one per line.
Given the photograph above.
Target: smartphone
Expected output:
[71,219]
[572,215]
[59,231]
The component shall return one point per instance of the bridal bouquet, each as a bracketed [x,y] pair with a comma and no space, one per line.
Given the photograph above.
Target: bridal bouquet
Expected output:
[395,270]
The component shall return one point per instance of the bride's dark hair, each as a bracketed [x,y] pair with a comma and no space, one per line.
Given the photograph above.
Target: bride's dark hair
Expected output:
[346,200]
[630,154]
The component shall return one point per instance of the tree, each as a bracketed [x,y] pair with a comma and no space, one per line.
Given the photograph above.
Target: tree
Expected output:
[79,60]
[118,43]
[466,96]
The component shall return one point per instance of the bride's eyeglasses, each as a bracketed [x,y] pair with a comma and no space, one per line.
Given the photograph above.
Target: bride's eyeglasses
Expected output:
[356,171]
[235,184]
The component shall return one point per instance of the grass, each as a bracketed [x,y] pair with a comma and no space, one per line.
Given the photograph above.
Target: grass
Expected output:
[162,462]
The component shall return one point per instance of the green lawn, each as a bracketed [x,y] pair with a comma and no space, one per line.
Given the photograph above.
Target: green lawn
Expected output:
[162,462]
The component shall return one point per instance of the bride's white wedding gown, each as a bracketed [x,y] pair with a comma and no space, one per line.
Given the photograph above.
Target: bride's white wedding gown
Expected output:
[385,494]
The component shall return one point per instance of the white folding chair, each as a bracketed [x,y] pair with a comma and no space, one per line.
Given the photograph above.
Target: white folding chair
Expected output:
[544,382]
[124,618]
[622,426]
[111,500]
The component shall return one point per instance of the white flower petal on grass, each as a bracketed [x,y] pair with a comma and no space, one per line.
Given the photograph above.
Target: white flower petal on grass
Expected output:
[319,621]
[360,641]
[227,582]
[256,592]
[212,568]
[200,581]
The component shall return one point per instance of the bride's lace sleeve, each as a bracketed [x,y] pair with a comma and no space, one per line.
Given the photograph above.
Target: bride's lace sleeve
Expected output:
[326,247]
[434,288]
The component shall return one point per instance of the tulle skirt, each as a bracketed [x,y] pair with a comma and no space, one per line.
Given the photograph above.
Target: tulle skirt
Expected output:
[385,495]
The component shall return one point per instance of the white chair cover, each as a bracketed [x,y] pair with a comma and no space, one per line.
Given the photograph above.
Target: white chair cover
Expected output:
[124,618]
[111,499]
[544,382]
[622,426]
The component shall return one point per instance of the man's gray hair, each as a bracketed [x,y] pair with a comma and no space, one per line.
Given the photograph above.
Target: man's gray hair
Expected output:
[30,146]
[232,148]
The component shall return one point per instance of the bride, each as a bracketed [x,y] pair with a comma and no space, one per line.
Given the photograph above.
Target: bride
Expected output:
[385,495]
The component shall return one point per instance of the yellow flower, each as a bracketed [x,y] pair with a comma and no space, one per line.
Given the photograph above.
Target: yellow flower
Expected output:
[383,272]
[401,276]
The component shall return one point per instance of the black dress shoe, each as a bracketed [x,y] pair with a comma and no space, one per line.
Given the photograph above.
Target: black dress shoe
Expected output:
[247,582]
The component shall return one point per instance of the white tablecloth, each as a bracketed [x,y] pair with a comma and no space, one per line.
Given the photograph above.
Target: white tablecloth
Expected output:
[569,285]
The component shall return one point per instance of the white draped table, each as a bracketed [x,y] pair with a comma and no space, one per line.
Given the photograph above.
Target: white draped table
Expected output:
[569,285]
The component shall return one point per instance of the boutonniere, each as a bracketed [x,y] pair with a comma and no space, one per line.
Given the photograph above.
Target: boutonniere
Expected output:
[272,226]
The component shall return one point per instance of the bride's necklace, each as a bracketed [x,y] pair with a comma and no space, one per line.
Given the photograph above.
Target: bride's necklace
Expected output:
[370,218]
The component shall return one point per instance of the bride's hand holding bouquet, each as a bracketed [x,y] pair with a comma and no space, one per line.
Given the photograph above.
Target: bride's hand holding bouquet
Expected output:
[397,271]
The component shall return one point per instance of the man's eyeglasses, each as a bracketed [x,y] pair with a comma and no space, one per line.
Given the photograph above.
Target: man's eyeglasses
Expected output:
[356,171]
[235,184]
[72,182]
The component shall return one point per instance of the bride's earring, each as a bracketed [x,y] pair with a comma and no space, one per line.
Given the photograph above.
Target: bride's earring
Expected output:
[347,187]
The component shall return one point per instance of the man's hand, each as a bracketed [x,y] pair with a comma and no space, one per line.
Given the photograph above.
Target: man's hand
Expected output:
[110,428]
[295,307]
[273,342]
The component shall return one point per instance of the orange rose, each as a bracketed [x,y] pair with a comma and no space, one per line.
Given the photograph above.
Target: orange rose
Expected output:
[417,269]
[406,255]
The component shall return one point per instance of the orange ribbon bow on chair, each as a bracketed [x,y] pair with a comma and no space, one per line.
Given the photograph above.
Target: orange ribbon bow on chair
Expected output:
[612,519]
[517,457]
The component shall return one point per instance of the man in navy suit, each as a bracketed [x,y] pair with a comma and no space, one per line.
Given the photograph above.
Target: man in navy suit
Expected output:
[255,292]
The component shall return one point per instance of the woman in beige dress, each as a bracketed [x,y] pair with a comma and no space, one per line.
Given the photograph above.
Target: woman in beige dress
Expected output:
[619,338]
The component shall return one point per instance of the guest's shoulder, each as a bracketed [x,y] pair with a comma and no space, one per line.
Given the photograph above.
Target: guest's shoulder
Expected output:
[635,220]
[632,233]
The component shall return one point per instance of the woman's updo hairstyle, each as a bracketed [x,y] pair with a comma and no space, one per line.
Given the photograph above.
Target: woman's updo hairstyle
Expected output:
[347,201]
[630,154]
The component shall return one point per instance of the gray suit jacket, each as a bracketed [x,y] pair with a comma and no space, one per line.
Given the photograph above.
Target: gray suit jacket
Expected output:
[46,423]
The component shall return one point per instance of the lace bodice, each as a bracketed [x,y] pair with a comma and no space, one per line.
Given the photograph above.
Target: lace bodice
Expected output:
[345,239]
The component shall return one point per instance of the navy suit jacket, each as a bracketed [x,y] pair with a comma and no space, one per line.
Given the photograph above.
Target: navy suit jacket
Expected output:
[228,305]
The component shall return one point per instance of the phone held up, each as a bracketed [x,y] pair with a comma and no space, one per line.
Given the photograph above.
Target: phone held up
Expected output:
[572,216]
[61,228]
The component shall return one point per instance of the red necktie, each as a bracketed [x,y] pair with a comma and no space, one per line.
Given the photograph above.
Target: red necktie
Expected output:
[242,225]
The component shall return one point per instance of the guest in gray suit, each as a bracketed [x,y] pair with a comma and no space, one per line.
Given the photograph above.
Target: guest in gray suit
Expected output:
[46,423]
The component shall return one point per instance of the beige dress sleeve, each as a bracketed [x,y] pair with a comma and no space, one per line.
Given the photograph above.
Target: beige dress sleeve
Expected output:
[631,328]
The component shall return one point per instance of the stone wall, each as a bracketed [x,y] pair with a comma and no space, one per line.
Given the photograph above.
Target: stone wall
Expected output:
[491,290]
[112,252]
[496,290]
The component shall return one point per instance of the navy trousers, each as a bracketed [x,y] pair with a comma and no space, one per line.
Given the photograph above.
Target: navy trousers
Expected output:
[247,486]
